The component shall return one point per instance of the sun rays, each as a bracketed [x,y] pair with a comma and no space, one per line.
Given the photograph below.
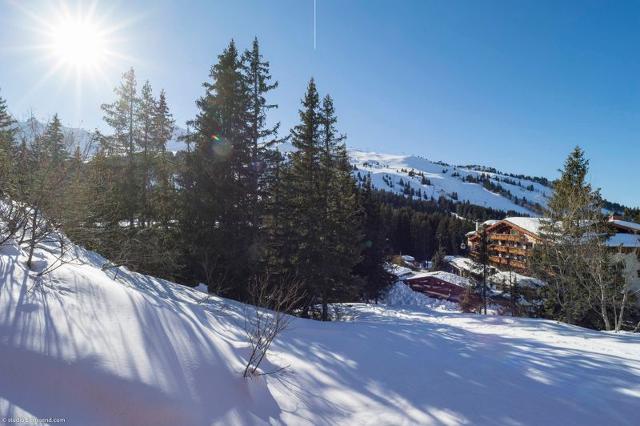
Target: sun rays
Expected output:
[77,44]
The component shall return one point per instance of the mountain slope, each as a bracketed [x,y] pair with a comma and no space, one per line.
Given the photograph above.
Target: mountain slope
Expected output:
[139,350]
[408,174]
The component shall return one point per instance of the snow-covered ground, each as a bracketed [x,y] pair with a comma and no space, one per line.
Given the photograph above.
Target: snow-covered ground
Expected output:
[139,350]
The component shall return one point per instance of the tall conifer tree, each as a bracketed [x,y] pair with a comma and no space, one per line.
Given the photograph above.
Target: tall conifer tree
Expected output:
[7,140]
[121,116]
[218,202]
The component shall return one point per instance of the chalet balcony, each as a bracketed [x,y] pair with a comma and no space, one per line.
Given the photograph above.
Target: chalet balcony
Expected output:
[505,237]
[511,250]
[502,261]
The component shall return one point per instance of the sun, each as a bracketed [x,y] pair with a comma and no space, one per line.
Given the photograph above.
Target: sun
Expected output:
[79,47]
[78,43]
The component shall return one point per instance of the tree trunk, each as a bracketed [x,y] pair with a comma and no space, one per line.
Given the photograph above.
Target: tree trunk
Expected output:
[603,309]
[325,310]
[32,243]
[621,315]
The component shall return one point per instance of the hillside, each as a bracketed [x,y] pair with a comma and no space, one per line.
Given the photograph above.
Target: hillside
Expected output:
[139,350]
[421,178]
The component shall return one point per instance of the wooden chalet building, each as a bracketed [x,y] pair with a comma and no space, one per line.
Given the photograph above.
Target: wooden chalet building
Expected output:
[625,242]
[509,242]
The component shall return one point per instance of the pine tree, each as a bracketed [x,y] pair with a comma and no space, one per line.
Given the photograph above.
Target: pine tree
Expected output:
[344,234]
[7,140]
[145,119]
[321,214]
[372,266]
[78,202]
[219,176]
[163,127]
[41,188]
[262,139]
[54,141]
[122,117]
[571,247]
[104,172]
[302,201]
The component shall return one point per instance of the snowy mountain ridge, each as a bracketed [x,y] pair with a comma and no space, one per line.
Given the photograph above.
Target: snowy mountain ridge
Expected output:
[421,178]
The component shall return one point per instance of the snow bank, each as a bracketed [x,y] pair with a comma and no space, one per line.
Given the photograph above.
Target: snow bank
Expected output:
[401,295]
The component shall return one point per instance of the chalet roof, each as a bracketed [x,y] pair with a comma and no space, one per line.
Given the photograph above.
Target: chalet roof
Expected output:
[624,224]
[624,240]
[443,276]
[490,222]
[397,270]
[519,279]
[530,224]
[464,264]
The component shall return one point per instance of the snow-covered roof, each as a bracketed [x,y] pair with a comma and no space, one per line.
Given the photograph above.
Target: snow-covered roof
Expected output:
[397,270]
[632,226]
[624,240]
[490,222]
[519,279]
[531,224]
[401,294]
[464,263]
[444,276]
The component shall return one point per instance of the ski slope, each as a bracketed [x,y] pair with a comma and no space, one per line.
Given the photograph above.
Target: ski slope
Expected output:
[447,181]
[139,350]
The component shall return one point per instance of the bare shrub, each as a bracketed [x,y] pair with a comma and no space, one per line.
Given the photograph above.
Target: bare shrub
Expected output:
[267,318]
[12,219]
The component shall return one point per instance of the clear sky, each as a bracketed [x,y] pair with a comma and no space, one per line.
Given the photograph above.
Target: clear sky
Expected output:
[509,84]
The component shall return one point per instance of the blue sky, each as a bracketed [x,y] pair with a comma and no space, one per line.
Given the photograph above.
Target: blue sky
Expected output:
[510,84]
